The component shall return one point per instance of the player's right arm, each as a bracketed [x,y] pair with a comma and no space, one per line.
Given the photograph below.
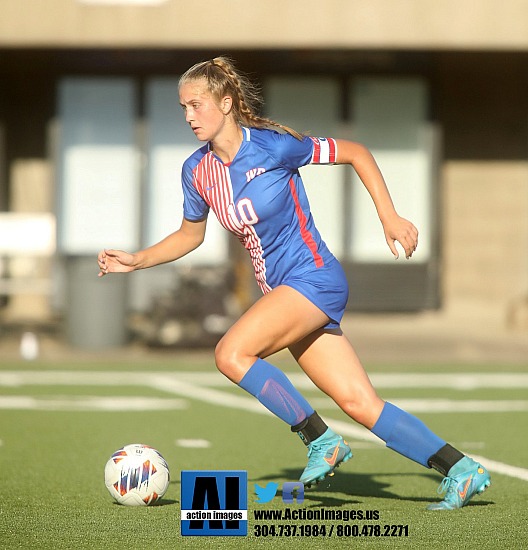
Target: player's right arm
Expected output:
[187,238]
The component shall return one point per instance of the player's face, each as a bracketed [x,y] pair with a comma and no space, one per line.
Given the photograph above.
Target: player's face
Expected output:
[202,112]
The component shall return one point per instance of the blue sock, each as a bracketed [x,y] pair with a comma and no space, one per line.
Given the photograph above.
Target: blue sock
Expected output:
[273,389]
[407,435]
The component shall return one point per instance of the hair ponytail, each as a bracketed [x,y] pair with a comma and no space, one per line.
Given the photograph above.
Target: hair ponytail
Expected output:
[223,79]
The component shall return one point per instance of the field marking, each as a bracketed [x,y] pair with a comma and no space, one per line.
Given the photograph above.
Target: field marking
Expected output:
[501,468]
[207,380]
[458,406]
[215,397]
[91,403]
[193,443]
[457,381]
[14,379]
[433,406]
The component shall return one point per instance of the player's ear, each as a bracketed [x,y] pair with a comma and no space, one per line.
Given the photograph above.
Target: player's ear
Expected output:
[226,104]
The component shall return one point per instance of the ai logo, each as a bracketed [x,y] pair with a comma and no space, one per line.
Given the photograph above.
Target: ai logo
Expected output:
[214,503]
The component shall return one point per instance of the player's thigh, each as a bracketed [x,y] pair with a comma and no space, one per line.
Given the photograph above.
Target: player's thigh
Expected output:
[274,322]
[330,361]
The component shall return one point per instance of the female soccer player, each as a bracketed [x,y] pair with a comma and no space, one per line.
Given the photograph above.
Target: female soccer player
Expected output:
[247,173]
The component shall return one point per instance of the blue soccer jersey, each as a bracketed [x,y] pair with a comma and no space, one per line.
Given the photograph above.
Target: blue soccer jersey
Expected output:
[260,197]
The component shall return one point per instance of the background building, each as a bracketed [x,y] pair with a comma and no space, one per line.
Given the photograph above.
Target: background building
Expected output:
[92,141]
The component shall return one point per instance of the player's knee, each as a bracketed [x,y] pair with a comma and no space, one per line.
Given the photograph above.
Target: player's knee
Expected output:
[362,408]
[222,357]
[228,360]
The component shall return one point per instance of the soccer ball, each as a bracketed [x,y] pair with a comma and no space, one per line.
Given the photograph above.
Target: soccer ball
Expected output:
[137,475]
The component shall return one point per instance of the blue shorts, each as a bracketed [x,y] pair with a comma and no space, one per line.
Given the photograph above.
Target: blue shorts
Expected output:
[326,287]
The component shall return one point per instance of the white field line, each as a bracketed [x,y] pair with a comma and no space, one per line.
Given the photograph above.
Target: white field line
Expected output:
[123,403]
[72,378]
[205,380]
[460,381]
[456,406]
[432,406]
[90,403]
[193,443]
[216,397]
[501,468]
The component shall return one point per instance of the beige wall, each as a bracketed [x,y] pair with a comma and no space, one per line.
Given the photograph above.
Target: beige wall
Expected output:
[466,24]
[485,233]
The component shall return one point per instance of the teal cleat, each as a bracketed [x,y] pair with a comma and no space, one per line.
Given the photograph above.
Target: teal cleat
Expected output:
[464,480]
[325,454]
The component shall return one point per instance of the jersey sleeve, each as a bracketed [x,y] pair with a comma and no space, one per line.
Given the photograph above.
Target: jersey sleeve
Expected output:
[294,153]
[194,206]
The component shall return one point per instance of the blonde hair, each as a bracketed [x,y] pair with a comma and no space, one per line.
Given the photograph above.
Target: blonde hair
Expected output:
[222,79]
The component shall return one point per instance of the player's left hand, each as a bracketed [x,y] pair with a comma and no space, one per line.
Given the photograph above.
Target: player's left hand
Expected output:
[401,230]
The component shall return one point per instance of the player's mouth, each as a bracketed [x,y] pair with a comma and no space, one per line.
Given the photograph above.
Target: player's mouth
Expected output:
[199,132]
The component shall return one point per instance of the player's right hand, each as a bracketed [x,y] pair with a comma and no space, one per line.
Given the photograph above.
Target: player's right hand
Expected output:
[115,261]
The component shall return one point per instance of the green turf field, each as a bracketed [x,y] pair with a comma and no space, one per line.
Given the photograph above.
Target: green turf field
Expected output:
[60,422]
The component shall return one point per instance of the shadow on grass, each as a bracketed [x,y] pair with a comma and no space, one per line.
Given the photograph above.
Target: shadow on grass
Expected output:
[161,502]
[358,487]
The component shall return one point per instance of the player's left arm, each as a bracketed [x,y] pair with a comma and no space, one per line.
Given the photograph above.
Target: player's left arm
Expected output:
[395,227]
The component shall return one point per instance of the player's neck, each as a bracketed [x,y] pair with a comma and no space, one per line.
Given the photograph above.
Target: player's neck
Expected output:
[226,146]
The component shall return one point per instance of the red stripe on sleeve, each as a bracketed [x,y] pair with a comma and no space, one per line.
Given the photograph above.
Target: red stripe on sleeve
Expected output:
[333,150]
[316,155]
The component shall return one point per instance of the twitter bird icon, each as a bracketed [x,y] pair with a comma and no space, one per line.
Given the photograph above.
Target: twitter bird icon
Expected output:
[265,494]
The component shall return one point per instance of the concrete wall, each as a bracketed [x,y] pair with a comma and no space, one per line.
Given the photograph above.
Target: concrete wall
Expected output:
[485,239]
[407,24]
